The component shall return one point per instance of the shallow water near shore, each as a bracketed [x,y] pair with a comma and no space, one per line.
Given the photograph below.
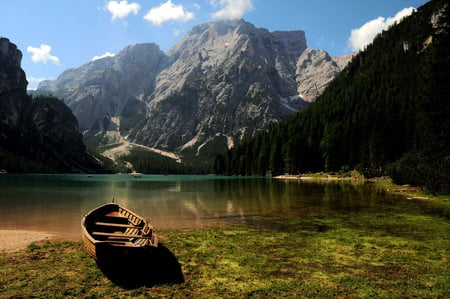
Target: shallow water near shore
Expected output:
[56,203]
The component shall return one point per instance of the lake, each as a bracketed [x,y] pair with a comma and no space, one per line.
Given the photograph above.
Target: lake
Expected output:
[56,203]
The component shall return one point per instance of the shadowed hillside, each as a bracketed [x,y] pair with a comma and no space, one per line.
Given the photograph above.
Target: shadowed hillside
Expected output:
[36,134]
[386,113]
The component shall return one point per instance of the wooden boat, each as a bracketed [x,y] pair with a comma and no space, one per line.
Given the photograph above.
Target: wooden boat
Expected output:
[112,232]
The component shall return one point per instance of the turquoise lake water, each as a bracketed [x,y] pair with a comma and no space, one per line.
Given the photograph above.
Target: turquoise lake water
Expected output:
[56,203]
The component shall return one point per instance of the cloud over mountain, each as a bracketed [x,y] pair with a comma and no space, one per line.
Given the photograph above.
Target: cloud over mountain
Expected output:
[363,36]
[168,11]
[42,54]
[232,9]
[122,9]
[107,54]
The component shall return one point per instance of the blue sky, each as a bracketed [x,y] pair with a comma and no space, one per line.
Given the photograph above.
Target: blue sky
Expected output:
[55,35]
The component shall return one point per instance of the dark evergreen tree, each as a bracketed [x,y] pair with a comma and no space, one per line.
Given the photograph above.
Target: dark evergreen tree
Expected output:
[386,113]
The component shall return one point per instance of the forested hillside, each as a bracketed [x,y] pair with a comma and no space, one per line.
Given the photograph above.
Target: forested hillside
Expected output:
[387,113]
[36,134]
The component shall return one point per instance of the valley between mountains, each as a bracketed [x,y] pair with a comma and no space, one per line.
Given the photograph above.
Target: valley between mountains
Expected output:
[221,84]
[122,147]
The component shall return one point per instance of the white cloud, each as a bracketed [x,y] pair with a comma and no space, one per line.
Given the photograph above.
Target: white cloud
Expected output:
[107,54]
[42,54]
[122,9]
[363,36]
[232,9]
[168,12]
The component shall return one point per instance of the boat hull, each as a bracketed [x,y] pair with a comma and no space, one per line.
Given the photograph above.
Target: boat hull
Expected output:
[113,232]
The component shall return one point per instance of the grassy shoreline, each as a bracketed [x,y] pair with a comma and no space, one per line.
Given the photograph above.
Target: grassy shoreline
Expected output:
[409,191]
[384,184]
[388,255]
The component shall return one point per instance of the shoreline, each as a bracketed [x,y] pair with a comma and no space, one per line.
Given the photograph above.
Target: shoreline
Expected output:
[308,253]
[319,177]
[15,240]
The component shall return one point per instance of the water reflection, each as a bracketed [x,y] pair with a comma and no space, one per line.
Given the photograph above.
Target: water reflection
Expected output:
[56,203]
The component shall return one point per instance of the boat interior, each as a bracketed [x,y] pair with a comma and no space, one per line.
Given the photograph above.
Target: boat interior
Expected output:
[119,227]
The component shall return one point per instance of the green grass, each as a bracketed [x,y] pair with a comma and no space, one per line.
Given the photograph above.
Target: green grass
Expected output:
[381,255]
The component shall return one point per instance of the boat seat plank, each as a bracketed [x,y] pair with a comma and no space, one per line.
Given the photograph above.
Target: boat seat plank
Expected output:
[115,235]
[115,214]
[116,224]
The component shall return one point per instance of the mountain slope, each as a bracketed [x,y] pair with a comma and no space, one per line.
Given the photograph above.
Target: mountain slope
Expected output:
[36,135]
[225,82]
[386,113]
[222,83]
[107,87]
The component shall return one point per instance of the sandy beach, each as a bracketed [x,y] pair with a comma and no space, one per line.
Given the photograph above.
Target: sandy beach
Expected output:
[13,240]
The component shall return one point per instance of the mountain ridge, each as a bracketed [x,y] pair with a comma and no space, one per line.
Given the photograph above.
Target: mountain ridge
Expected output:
[220,84]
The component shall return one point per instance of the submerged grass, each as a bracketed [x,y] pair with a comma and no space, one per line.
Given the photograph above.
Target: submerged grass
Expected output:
[387,255]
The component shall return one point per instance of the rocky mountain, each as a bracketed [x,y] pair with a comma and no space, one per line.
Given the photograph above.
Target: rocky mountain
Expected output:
[36,135]
[386,114]
[315,70]
[221,83]
[13,86]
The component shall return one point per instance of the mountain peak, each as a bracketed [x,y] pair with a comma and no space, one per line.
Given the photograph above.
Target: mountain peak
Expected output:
[138,48]
[221,83]
[222,27]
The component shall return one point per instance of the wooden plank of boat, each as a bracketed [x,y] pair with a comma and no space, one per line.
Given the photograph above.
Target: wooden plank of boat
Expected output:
[115,214]
[120,235]
[116,225]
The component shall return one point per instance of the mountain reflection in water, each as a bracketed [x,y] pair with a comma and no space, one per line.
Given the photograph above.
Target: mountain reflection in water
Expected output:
[56,203]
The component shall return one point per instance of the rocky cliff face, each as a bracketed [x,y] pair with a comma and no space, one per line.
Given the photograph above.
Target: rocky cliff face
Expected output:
[223,82]
[315,70]
[107,87]
[13,85]
[40,134]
